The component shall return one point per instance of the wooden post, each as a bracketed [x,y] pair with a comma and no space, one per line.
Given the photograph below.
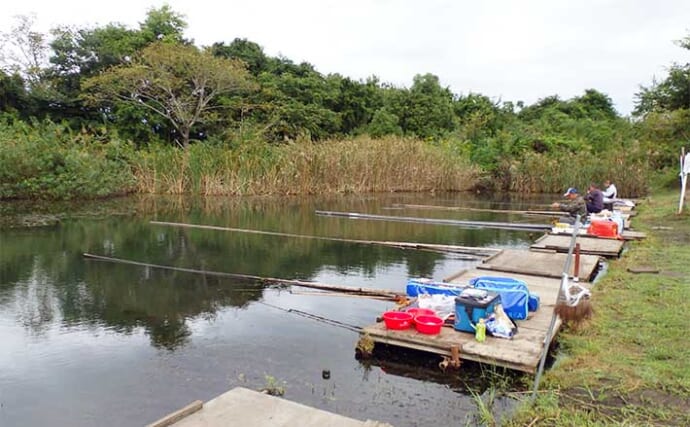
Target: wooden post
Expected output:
[455,356]
[576,268]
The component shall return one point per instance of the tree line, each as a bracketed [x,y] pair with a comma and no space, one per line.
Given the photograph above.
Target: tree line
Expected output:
[152,85]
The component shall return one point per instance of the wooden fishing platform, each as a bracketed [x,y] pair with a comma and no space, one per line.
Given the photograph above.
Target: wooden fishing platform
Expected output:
[591,245]
[546,263]
[244,407]
[521,353]
[625,235]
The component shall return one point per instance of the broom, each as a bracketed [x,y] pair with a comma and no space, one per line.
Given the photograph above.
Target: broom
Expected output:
[573,303]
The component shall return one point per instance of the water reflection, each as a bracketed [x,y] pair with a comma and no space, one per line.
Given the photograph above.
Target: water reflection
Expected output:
[56,303]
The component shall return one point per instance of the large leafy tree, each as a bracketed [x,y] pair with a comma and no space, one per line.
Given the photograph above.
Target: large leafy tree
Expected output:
[178,83]
[425,110]
[358,102]
[595,105]
[669,94]
[13,96]
[251,53]
[80,53]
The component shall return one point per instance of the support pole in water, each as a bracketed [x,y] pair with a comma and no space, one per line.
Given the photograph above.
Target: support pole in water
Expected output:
[552,325]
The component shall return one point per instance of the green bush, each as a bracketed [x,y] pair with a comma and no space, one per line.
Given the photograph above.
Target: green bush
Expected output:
[49,161]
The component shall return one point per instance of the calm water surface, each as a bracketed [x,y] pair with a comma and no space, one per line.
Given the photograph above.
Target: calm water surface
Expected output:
[87,343]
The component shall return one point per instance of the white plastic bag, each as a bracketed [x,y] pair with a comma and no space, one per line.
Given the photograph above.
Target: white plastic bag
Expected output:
[443,305]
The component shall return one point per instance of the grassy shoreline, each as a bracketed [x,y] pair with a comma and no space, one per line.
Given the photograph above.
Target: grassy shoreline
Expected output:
[629,365]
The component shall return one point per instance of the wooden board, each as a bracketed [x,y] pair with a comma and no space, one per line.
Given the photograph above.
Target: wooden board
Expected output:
[640,269]
[522,353]
[539,263]
[626,235]
[588,245]
[633,235]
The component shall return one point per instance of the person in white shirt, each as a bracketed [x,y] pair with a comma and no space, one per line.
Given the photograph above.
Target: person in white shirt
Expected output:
[610,192]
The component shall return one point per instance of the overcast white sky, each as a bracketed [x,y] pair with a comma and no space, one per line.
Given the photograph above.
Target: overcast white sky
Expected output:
[507,50]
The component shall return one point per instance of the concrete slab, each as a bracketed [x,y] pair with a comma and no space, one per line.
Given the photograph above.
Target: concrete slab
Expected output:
[248,408]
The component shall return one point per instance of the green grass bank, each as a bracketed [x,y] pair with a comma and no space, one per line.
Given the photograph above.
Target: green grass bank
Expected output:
[629,365]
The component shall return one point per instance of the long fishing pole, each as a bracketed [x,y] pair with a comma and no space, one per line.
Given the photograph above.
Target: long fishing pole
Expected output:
[468,253]
[294,282]
[322,319]
[464,208]
[436,221]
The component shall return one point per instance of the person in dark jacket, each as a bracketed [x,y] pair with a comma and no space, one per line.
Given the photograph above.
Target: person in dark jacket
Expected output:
[575,205]
[594,199]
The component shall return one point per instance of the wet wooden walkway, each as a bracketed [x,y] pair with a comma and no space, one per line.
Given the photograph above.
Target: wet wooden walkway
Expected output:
[610,248]
[546,263]
[244,407]
[521,353]
[541,268]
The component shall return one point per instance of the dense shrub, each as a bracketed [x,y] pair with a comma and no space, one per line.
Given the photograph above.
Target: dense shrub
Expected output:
[46,160]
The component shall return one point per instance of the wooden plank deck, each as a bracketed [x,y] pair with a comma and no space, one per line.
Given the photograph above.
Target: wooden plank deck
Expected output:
[626,235]
[522,353]
[588,245]
[539,263]
[244,407]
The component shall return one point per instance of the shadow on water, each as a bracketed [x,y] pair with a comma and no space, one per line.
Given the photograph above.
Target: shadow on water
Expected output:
[128,343]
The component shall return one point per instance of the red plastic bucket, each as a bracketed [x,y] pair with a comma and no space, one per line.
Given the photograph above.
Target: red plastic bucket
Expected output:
[416,311]
[397,319]
[428,324]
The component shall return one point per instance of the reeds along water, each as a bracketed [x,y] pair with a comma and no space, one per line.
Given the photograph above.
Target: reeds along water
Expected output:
[338,166]
[371,165]
[552,173]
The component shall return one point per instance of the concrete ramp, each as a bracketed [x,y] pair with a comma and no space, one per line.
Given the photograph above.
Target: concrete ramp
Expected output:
[248,408]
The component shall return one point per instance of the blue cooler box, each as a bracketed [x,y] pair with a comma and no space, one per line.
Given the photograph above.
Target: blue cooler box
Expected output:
[468,309]
[415,287]
[514,294]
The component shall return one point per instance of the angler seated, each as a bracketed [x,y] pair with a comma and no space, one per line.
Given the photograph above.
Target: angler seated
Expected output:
[574,205]
[610,192]
[594,199]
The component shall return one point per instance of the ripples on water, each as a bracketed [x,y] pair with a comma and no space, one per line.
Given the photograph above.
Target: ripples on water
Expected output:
[94,343]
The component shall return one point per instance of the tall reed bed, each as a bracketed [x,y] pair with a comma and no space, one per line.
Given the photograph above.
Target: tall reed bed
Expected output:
[354,165]
[552,173]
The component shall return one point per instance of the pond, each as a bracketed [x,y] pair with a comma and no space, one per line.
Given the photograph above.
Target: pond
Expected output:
[89,342]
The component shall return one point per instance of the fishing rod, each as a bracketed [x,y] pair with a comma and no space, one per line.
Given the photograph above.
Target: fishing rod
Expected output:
[468,209]
[316,317]
[393,295]
[468,253]
[436,221]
